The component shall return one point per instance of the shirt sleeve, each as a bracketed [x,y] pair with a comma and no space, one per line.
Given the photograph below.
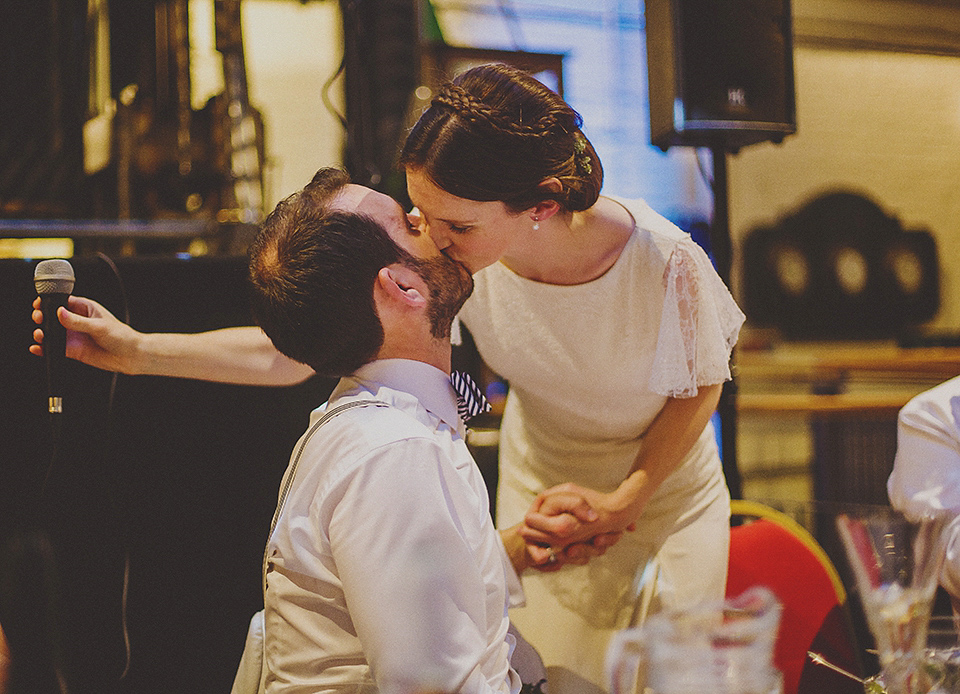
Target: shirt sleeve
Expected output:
[699,325]
[926,470]
[414,589]
[515,595]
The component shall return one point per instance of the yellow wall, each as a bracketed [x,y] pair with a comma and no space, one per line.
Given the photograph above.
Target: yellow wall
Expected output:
[885,123]
[292,49]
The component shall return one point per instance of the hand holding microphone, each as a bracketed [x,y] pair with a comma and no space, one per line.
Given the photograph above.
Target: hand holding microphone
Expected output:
[54,280]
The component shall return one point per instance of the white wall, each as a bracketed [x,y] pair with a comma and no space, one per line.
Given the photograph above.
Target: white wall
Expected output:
[292,49]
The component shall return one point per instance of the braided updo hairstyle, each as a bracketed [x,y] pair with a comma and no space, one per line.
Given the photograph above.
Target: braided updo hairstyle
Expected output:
[496,133]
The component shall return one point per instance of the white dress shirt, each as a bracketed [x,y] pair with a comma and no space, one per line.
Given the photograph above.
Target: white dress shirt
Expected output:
[926,470]
[384,571]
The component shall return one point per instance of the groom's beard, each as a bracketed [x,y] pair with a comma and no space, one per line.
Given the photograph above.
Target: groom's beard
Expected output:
[450,284]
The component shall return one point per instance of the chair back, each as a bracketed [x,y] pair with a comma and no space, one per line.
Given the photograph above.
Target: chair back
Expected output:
[771,549]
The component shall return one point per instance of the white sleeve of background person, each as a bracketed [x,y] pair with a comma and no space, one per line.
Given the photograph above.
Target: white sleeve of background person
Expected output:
[926,472]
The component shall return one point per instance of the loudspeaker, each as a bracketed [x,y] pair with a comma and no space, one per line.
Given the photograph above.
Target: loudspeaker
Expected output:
[720,74]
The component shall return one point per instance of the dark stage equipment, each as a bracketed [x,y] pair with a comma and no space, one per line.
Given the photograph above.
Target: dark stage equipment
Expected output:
[381,72]
[173,479]
[96,120]
[43,102]
[840,267]
[720,73]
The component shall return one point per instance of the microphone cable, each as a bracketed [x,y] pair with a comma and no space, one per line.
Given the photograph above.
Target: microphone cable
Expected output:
[111,393]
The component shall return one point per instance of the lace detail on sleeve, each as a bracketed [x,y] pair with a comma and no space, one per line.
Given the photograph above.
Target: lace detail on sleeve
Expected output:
[698,328]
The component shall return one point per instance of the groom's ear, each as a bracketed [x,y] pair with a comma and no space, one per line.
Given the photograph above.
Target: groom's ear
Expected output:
[403,285]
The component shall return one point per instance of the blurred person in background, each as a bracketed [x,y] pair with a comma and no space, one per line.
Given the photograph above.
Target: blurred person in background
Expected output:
[926,470]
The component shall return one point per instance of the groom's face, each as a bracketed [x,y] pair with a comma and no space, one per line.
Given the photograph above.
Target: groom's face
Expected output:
[449,282]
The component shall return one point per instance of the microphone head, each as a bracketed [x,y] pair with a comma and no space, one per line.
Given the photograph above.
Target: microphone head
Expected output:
[54,276]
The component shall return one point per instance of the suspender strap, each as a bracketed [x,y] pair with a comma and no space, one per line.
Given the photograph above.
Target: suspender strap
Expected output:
[292,471]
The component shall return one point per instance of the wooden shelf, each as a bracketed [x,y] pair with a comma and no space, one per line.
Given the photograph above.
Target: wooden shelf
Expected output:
[842,363]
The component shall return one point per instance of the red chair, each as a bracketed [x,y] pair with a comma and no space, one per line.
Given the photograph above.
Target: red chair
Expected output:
[769,548]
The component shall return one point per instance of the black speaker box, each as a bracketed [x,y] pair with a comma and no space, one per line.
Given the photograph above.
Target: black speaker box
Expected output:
[720,74]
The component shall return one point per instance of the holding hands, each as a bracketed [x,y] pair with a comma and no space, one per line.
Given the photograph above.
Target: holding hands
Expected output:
[570,524]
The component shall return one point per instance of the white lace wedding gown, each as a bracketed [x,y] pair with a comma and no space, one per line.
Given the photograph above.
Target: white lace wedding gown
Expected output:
[589,367]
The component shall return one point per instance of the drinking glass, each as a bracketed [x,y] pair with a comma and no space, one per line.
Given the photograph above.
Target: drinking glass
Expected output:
[896,562]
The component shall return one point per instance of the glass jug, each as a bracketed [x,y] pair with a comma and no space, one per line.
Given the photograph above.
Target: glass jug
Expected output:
[726,648]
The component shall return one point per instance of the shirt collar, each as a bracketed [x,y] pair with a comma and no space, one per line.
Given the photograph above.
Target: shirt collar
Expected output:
[428,384]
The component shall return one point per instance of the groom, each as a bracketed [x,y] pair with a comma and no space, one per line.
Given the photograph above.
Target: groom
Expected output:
[384,571]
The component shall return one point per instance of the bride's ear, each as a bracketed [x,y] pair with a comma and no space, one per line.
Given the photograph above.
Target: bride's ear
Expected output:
[547,208]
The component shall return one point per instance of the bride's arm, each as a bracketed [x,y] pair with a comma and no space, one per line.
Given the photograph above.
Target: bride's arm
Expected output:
[229,355]
[665,444]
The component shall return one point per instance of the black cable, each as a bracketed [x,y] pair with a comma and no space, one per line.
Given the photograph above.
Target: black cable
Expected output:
[125,306]
[325,93]
[56,429]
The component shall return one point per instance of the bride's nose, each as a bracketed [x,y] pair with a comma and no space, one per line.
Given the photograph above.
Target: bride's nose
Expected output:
[439,238]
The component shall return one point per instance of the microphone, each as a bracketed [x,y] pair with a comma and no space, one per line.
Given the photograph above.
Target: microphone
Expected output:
[54,281]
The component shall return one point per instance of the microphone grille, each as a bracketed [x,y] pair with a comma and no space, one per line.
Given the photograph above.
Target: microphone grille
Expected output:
[54,276]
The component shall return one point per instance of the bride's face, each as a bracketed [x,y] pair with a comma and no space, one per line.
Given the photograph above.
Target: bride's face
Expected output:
[474,233]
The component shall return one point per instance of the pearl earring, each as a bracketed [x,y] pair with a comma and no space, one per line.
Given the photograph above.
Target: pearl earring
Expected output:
[536,224]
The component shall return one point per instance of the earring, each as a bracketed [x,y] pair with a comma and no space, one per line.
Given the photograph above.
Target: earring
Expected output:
[536,223]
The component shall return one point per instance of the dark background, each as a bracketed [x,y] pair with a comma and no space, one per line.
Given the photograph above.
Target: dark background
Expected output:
[177,477]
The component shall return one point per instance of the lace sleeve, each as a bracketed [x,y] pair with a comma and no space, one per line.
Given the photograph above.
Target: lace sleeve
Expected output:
[698,328]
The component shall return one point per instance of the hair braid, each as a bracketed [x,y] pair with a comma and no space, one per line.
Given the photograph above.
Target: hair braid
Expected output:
[497,133]
[475,111]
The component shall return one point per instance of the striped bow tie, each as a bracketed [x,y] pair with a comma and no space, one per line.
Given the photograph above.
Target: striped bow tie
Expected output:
[470,401]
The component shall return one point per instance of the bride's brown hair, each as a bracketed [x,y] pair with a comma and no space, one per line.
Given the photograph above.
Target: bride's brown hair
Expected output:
[496,133]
